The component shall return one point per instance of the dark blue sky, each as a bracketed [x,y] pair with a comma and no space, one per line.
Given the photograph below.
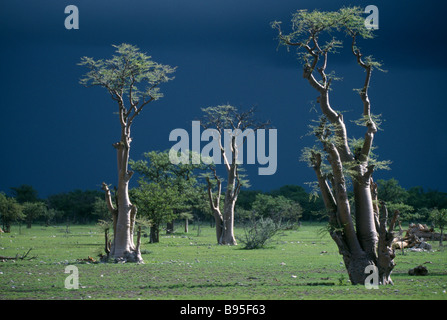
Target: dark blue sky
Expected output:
[57,135]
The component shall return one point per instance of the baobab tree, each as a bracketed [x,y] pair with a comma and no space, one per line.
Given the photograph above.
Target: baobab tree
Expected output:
[234,126]
[367,241]
[132,79]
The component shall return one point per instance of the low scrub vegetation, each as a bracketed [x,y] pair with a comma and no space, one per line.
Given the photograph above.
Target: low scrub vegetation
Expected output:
[298,264]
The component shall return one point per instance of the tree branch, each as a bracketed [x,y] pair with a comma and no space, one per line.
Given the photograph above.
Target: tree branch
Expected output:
[341,196]
[371,126]
[328,197]
[17,257]
[108,198]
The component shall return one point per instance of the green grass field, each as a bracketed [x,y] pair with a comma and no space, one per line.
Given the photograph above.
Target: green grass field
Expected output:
[302,264]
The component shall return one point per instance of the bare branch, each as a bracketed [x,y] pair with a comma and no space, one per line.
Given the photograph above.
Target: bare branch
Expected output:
[328,197]
[108,198]
[17,257]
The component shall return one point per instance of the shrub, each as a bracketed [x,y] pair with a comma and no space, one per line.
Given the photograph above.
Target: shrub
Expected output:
[259,233]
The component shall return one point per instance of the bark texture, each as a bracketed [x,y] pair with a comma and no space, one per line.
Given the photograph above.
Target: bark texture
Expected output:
[124,213]
[224,222]
[234,127]
[130,77]
[368,241]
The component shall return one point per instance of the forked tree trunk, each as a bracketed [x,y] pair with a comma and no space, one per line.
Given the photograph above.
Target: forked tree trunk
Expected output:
[369,242]
[132,76]
[228,223]
[225,221]
[219,224]
[123,247]
[240,125]
[231,194]
[215,206]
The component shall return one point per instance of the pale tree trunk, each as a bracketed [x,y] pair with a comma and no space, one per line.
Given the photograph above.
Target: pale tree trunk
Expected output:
[228,223]
[219,224]
[133,76]
[229,205]
[123,247]
[225,222]
[215,205]
[369,242]
[236,135]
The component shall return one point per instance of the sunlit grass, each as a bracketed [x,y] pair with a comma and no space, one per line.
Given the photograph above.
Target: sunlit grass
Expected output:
[301,264]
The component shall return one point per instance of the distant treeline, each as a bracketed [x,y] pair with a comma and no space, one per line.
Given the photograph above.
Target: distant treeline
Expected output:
[88,206]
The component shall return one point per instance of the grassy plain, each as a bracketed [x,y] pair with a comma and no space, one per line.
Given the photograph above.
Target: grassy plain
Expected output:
[302,264]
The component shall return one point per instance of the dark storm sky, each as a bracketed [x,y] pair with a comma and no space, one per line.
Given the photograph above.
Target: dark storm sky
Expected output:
[57,135]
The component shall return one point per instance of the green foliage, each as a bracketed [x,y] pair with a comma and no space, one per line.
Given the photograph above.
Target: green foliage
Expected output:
[298,194]
[76,206]
[100,210]
[305,24]
[314,35]
[322,25]
[25,193]
[259,232]
[439,218]
[364,121]
[130,71]
[156,202]
[166,190]
[391,191]
[373,158]
[246,198]
[277,208]
[33,210]
[104,225]
[420,198]
[406,212]
[196,268]
[221,116]
[10,211]
[414,204]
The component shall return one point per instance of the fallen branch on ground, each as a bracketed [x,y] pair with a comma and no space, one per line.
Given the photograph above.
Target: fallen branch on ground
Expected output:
[17,257]
[416,236]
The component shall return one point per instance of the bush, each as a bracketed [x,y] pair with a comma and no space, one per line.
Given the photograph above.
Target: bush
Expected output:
[259,233]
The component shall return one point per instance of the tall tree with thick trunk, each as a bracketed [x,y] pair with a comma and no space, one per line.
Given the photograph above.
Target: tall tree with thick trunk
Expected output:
[234,127]
[132,79]
[367,241]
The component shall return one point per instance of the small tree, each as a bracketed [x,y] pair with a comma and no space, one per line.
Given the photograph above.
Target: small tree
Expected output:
[391,191]
[100,209]
[32,211]
[10,211]
[259,232]
[186,216]
[75,206]
[132,79]
[157,204]
[105,226]
[25,193]
[276,208]
[439,219]
[164,189]
[227,120]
